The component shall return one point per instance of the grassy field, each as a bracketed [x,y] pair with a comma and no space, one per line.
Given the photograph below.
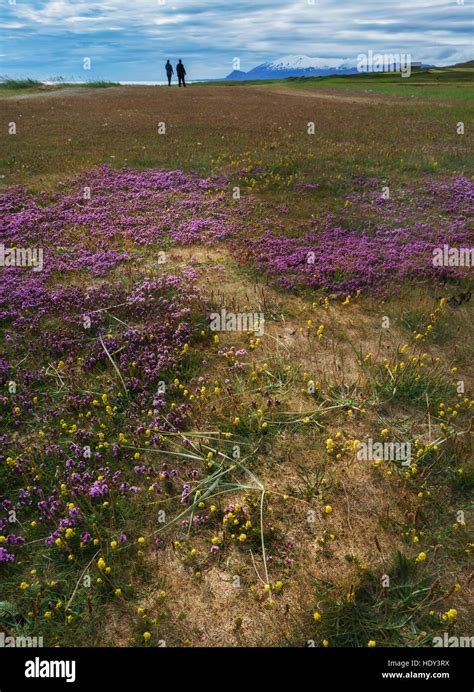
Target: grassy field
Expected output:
[164,481]
[433,83]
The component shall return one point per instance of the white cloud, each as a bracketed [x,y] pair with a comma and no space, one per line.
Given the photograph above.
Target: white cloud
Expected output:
[212,32]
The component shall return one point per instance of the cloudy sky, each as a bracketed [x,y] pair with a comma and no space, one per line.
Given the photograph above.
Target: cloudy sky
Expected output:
[129,40]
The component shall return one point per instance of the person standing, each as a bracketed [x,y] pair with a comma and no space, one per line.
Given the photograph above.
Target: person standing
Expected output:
[169,71]
[181,72]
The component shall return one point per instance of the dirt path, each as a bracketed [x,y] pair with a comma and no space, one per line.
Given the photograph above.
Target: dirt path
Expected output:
[48,93]
[349,97]
[364,97]
[346,97]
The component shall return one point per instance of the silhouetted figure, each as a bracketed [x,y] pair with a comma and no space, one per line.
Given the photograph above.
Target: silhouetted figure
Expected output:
[169,71]
[180,71]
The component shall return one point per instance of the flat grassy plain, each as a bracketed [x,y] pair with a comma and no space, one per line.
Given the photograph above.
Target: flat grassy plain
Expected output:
[162,483]
[433,83]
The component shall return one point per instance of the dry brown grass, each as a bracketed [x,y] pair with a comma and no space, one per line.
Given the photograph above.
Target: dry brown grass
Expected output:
[365,500]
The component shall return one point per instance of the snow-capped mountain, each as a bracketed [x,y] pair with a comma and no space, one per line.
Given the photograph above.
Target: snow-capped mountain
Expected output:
[296,66]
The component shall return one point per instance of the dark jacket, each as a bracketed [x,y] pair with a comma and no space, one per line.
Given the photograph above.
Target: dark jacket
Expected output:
[180,71]
[169,68]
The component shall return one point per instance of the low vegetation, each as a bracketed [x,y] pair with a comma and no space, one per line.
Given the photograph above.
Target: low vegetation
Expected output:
[164,481]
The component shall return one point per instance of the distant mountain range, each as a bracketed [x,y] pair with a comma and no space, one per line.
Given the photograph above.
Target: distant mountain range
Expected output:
[299,66]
